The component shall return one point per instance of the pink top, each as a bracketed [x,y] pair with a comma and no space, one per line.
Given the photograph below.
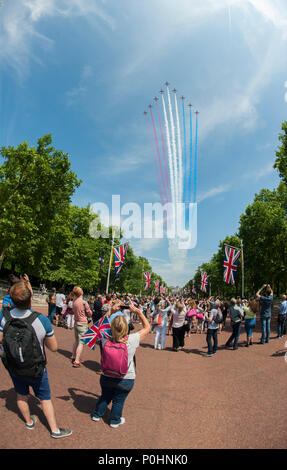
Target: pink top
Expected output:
[81,309]
[192,312]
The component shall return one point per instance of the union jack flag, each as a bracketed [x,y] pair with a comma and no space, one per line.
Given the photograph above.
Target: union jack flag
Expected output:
[119,257]
[147,277]
[100,330]
[193,288]
[156,285]
[230,264]
[204,281]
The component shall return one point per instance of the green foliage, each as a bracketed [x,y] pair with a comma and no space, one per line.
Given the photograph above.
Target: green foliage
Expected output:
[263,231]
[281,154]
[44,235]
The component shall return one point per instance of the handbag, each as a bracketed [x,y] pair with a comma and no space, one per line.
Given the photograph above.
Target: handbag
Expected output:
[157,320]
[89,319]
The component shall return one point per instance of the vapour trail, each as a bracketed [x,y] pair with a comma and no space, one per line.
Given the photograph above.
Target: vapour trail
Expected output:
[185,169]
[155,160]
[229,18]
[179,150]
[159,157]
[173,146]
[169,151]
[195,160]
[164,154]
[190,157]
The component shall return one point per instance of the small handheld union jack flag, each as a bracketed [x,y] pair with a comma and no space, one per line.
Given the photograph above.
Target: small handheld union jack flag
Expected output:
[100,330]
[147,277]
[230,264]
[119,257]
[204,281]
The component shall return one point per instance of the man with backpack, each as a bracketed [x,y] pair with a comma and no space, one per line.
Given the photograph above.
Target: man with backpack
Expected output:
[214,318]
[236,314]
[24,335]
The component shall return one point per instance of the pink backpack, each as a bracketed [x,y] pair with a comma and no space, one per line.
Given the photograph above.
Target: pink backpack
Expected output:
[114,361]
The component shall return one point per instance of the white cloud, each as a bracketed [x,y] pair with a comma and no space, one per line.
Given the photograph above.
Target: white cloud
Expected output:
[19,27]
[73,95]
[124,163]
[259,173]
[213,192]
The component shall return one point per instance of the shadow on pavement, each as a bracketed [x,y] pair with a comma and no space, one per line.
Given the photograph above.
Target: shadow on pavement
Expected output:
[85,402]
[92,365]
[65,353]
[34,405]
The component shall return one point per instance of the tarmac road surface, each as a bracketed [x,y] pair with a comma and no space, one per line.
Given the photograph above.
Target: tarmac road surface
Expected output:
[181,400]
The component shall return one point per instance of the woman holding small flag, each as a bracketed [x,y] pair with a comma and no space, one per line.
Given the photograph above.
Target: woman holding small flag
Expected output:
[118,366]
[159,320]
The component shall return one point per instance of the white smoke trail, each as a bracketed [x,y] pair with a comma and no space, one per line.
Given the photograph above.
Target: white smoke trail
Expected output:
[173,147]
[180,176]
[170,161]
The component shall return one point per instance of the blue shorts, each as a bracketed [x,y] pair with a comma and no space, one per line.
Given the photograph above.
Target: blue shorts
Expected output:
[40,386]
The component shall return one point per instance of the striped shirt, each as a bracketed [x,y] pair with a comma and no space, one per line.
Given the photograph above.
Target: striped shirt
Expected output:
[42,325]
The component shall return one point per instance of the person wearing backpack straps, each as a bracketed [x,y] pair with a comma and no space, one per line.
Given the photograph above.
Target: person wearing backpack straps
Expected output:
[24,335]
[236,316]
[117,365]
[213,317]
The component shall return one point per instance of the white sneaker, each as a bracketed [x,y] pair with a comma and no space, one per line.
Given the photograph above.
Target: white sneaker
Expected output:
[94,418]
[159,346]
[117,425]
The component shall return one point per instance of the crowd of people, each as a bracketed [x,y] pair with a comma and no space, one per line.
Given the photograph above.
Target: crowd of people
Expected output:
[161,315]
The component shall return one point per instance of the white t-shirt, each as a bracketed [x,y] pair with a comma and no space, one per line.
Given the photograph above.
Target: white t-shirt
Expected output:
[132,343]
[60,300]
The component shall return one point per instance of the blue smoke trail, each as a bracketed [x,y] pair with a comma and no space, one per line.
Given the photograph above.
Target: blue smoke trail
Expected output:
[195,160]
[185,169]
[190,159]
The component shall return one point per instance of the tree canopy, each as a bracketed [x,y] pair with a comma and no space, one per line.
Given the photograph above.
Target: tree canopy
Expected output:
[263,232]
[46,236]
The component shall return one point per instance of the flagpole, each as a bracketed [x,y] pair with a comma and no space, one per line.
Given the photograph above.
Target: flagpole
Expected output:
[142,278]
[108,279]
[242,264]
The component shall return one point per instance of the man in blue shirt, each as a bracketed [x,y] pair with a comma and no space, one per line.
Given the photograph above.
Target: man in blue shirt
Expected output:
[265,302]
[282,317]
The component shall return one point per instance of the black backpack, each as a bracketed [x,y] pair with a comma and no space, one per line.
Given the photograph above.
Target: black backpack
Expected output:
[23,355]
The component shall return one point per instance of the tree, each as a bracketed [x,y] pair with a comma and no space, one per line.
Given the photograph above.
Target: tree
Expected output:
[281,154]
[36,186]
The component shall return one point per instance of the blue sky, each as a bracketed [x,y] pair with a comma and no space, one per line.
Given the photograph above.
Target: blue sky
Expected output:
[86,70]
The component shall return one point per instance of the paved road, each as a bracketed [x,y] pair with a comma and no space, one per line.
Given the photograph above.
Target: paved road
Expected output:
[181,400]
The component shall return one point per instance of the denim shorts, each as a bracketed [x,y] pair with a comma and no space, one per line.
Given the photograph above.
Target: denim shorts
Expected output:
[40,386]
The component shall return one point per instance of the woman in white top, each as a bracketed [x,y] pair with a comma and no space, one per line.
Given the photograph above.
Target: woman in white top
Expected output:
[116,390]
[178,327]
[160,330]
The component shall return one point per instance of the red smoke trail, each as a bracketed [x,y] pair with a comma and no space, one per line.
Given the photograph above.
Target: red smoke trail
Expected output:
[155,162]
[159,157]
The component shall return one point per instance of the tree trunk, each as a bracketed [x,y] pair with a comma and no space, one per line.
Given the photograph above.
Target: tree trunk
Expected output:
[2,256]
